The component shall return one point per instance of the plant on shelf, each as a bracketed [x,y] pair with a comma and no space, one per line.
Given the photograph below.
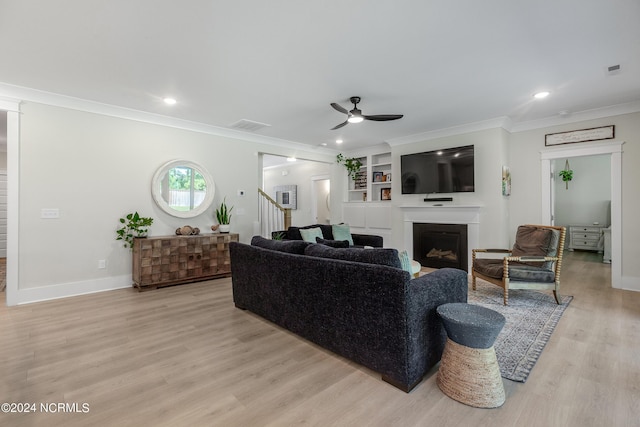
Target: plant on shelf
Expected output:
[566,174]
[352,165]
[223,215]
[133,225]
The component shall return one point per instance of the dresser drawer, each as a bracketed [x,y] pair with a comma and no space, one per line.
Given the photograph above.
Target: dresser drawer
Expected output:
[585,236]
[587,229]
[585,244]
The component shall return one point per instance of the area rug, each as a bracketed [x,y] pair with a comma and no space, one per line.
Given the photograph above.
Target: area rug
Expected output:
[531,319]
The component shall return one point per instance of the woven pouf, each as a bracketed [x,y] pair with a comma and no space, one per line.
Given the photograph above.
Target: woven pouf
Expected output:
[469,371]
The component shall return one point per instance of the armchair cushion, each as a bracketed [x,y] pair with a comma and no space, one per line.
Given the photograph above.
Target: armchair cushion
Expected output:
[532,241]
[518,271]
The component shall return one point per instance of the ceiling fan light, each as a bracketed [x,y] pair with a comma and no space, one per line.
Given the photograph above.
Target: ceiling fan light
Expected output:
[355,119]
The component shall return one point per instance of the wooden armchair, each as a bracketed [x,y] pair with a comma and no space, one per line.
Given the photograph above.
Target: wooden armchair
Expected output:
[534,262]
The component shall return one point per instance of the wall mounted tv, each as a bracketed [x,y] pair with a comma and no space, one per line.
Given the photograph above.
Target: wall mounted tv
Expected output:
[449,170]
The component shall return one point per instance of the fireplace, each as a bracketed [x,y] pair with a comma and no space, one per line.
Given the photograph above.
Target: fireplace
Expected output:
[440,245]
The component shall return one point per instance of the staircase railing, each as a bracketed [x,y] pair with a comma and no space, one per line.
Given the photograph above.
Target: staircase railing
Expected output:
[273,217]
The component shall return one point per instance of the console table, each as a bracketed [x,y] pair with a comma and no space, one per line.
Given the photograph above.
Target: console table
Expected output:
[585,237]
[172,260]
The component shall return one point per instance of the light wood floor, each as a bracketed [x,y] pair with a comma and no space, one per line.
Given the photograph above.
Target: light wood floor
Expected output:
[184,356]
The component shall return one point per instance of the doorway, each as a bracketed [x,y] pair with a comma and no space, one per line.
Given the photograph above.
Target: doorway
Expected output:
[320,199]
[614,151]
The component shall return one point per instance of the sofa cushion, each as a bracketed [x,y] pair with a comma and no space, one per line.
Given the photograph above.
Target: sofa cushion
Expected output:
[342,232]
[289,246]
[517,271]
[378,256]
[333,243]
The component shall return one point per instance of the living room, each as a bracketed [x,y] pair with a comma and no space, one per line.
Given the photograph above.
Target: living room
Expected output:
[93,161]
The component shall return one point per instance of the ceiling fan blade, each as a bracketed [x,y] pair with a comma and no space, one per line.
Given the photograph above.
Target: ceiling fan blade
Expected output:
[340,125]
[383,117]
[339,108]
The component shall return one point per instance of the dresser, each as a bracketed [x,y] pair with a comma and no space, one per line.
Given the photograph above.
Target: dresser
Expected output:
[172,260]
[585,237]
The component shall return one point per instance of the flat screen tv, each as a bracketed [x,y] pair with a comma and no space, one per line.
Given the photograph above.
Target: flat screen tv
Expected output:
[450,170]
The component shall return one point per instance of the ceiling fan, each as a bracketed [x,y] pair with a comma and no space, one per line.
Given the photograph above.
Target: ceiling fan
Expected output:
[356,116]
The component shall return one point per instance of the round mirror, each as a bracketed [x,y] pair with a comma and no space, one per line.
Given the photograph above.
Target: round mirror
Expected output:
[182,188]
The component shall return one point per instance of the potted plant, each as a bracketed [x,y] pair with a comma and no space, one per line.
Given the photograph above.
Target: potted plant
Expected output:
[352,165]
[566,174]
[223,215]
[133,226]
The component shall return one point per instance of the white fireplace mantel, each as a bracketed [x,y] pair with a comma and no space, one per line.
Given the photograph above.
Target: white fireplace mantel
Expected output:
[444,214]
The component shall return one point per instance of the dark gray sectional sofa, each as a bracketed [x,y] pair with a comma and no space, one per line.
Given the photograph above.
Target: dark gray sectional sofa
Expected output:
[357,303]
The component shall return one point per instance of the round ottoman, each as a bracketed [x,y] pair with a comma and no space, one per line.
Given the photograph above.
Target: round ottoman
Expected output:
[469,371]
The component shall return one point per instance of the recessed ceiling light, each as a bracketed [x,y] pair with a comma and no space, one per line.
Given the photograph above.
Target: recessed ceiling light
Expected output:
[291,159]
[541,95]
[169,101]
[338,141]
[324,144]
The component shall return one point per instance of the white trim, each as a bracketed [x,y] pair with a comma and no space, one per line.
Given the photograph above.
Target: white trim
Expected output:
[581,116]
[65,290]
[500,122]
[613,148]
[13,200]
[450,214]
[631,283]
[57,100]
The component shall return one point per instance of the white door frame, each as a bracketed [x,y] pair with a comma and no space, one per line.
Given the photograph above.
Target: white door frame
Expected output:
[12,107]
[614,149]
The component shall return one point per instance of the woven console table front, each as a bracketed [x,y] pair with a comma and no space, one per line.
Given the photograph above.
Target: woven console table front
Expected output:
[171,260]
[469,371]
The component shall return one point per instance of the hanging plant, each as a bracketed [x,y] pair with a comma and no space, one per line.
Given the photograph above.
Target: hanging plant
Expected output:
[352,165]
[566,174]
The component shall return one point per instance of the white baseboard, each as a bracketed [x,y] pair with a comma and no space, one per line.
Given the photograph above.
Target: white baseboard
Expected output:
[631,283]
[64,290]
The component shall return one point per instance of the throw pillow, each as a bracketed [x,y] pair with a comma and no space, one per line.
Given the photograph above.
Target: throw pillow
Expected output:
[333,243]
[405,262]
[342,232]
[310,234]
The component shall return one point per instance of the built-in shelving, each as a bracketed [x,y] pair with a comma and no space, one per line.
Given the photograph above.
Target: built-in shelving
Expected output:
[373,183]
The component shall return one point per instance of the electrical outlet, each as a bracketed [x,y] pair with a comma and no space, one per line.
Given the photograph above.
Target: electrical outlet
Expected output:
[102,263]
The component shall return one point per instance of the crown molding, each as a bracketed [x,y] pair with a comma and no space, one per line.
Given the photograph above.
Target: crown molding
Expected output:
[580,116]
[12,95]
[499,122]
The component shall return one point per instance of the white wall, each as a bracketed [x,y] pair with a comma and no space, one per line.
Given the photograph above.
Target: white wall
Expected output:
[297,173]
[491,153]
[525,202]
[586,200]
[97,168]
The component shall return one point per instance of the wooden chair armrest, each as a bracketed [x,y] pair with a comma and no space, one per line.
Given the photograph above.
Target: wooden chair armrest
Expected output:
[531,258]
[493,251]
